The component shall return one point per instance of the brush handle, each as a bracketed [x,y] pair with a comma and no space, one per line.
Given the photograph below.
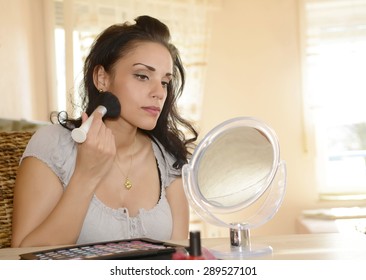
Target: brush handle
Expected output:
[79,134]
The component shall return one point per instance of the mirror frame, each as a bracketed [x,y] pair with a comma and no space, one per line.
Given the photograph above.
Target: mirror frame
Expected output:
[205,144]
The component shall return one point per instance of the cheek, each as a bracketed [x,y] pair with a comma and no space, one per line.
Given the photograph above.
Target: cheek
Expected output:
[164,99]
[124,94]
[167,97]
[127,106]
[130,105]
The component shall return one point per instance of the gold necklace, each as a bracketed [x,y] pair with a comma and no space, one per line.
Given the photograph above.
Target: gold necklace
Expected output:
[127,183]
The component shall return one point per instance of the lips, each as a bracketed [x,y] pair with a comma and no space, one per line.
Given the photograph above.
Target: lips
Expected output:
[153,110]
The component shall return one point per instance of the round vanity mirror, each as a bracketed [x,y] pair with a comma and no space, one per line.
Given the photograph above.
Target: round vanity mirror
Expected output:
[236,166]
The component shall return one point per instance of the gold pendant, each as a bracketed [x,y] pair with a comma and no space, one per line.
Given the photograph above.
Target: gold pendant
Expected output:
[128,184]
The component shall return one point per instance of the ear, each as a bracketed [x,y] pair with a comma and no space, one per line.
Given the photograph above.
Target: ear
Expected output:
[100,78]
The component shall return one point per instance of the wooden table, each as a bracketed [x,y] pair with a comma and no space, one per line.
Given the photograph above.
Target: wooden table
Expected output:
[326,246]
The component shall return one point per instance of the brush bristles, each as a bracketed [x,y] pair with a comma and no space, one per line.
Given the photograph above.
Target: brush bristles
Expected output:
[112,104]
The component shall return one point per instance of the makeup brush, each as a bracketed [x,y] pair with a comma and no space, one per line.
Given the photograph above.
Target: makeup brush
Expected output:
[109,107]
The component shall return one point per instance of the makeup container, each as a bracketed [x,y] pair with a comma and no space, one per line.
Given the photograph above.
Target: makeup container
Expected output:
[195,250]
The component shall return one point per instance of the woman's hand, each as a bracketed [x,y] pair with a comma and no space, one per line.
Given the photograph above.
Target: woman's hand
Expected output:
[96,155]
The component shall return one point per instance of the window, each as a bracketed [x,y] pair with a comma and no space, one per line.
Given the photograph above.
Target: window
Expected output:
[78,22]
[334,33]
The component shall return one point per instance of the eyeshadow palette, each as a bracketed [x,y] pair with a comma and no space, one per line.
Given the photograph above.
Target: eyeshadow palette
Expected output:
[141,248]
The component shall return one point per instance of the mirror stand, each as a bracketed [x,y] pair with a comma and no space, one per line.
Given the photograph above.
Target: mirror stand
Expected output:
[240,246]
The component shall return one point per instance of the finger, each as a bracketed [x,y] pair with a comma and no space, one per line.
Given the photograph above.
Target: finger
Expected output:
[84,117]
[97,115]
[91,126]
[105,142]
[110,141]
[97,123]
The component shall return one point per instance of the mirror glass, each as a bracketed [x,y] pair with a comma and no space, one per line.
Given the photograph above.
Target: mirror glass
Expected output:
[233,170]
[232,166]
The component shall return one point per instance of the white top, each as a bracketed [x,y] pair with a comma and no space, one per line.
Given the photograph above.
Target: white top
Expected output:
[54,146]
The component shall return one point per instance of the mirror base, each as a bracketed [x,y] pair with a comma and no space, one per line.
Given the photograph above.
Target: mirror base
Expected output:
[227,252]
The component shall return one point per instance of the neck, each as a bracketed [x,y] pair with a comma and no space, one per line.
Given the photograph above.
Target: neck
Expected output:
[126,145]
[125,135]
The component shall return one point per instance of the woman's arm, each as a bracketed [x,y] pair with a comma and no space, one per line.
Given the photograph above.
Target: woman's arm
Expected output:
[180,209]
[44,214]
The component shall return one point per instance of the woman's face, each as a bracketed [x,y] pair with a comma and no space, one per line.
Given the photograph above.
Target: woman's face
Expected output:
[140,80]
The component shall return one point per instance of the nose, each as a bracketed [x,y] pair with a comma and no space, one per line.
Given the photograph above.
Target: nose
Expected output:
[158,91]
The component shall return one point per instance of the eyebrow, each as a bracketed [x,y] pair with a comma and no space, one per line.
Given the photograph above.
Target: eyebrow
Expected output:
[152,68]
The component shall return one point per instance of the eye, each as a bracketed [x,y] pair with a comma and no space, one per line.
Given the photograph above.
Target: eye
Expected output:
[165,84]
[141,77]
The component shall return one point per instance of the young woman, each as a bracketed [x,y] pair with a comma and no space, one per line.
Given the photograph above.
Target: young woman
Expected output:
[124,181]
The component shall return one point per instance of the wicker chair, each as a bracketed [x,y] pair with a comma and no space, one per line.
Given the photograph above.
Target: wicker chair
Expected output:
[12,145]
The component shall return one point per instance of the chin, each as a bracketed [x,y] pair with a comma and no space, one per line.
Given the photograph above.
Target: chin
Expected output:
[148,126]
